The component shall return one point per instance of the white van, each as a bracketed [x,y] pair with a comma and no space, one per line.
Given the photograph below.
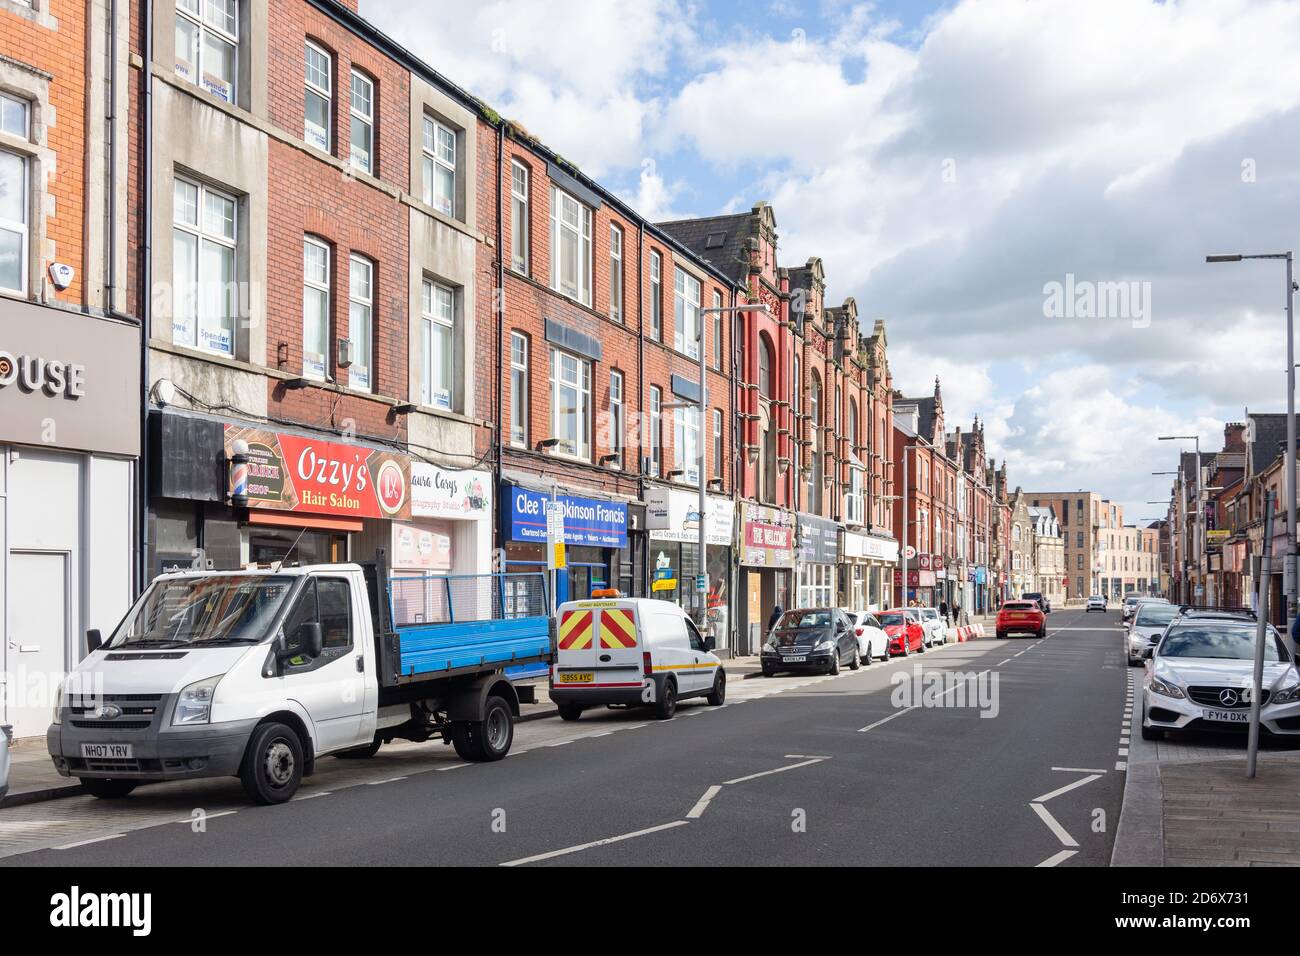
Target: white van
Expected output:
[633,651]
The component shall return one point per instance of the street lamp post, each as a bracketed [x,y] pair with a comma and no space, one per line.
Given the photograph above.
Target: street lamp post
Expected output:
[1289,568]
[1171,545]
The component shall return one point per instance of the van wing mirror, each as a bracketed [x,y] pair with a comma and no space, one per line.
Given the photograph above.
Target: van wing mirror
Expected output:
[94,640]
[709,642]
[308,641]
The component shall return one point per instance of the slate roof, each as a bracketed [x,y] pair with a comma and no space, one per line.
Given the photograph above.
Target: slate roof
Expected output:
[718,239]
[1270,434]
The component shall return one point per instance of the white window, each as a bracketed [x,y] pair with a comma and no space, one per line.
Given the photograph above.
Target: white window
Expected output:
[438,170]
[656,296]
[717,329]
[617,414]
[361,322]
[518,389]
[438,327]
[204,249]
[15,116]
[853,504]
[13,218]
[570,247]
[571,404]
[318,96]
[315,308]
[656,438]
[362,105]
[717,443]
[686,321]
[520,212]
[686,443]
[615,273]
[207,41]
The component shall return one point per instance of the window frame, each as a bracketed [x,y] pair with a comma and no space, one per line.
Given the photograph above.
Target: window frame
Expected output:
[583,244]
[718,444]
[431,158]
[318,286]
[617,414]
[581,385]
[521,207]
[616,273]
[367,304]
[367,120]
[198,19]
[687,433]
[718,325]
[519,397]
[683,341]
[656,295]
[656,431]
[430,318]
[201,235]
[24,229]
[310,87]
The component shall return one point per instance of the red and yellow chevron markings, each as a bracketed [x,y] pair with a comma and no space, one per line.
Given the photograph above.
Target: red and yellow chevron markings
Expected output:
[575,630]
[617,628]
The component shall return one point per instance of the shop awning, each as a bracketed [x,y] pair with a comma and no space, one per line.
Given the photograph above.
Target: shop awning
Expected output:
[299,520]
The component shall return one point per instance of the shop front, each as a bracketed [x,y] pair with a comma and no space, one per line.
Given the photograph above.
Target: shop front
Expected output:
[921,583]
[673,528]
[867,563]
[227,495]
[69,445]
[595,538]
[816,560]
[767,538]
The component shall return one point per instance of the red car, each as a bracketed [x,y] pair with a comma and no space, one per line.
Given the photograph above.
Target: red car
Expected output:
[1021,617]
[903,625]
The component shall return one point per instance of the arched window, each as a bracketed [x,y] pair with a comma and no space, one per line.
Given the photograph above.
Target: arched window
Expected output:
[765,368]
[853,425]
[815,434]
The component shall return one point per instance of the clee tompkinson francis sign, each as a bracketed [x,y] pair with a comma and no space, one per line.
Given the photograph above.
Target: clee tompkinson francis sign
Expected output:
[294,473]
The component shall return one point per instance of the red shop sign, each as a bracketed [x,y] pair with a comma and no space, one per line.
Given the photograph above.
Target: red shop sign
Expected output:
[770,536]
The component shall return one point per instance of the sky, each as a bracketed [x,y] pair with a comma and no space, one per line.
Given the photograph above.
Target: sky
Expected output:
[1025,192]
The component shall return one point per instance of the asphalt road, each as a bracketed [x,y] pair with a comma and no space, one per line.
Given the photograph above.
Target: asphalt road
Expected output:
[832,771]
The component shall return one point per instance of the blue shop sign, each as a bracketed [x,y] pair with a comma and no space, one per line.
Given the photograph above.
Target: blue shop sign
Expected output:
[981,576]
[587,521]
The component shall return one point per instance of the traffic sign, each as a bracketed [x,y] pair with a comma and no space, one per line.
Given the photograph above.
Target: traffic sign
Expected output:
[702,583]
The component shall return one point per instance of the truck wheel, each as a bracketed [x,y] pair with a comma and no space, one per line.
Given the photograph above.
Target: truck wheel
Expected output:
[107,789]
[666,706]
[569,711]
[718,696]
[361,753]
[482,741]
[273,764]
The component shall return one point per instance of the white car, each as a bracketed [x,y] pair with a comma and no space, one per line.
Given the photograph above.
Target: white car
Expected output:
[1134,601]
[1146,629]
[873,642]
[1201,675]
[1096,603]
[6,738]
[933,625]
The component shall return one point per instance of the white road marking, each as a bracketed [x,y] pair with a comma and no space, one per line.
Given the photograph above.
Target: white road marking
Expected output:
[1077,770]
[765,773]
[595,843]
[1123,752]
[806,757]
[1007,661]
[226,813]
[1121,765]
[1092,775]
[1056,828]
[376,783]
[702,804]
[455,766]
[1060,857]
[101,839]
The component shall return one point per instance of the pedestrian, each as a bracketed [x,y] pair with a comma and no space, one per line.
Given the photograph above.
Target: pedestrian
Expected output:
[943,611]
[956,613]
[776,616]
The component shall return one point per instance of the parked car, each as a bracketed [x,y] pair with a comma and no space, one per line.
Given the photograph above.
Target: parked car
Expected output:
[1147,627]
[1200,678]
[1096,603]
[817,639]
[873,642]
[1021,617]
[1132,601]
[1038,596]
[936,631]
[6,738]
[258,673]
[903,625]
[622,646]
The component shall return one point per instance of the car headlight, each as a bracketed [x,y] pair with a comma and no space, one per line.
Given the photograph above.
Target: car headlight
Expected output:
[58,701]
[194,705]
[824,645]
[1286,695]
[1167,689]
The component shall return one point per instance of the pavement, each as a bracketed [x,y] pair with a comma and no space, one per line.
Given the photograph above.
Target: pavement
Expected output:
[966,755]
[1188,801]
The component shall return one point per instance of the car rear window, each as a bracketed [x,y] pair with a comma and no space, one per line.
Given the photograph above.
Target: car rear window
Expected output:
[1223,642]
[805,619]
[1151,614]
[1019,606]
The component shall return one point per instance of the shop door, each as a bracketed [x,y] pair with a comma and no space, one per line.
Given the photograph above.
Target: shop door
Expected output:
[37,637]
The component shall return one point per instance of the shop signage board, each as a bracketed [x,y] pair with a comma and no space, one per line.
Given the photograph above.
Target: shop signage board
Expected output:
[673,515]
[555,558]
[438,492]
[422,549]
[588,522]
[288,472]
[767,537]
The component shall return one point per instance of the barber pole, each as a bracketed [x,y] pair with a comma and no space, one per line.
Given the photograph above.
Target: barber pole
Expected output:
[239,474]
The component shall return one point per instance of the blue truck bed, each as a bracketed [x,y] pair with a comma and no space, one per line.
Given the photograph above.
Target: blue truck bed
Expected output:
[431,648]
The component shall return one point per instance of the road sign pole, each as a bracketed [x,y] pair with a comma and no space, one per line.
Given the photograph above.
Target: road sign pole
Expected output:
[1261,635]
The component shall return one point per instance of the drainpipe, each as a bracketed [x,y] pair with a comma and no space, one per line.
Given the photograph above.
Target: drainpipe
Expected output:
[640,392]
[146,305]
[499,306]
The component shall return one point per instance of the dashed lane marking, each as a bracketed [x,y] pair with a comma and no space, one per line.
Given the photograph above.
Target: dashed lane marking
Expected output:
[98,839]
[594,843]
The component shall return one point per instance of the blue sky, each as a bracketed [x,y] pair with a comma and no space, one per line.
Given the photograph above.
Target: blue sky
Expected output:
[948,162]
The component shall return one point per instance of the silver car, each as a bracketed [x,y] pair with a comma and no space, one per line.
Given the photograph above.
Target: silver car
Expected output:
[1096,603]
[6,738]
